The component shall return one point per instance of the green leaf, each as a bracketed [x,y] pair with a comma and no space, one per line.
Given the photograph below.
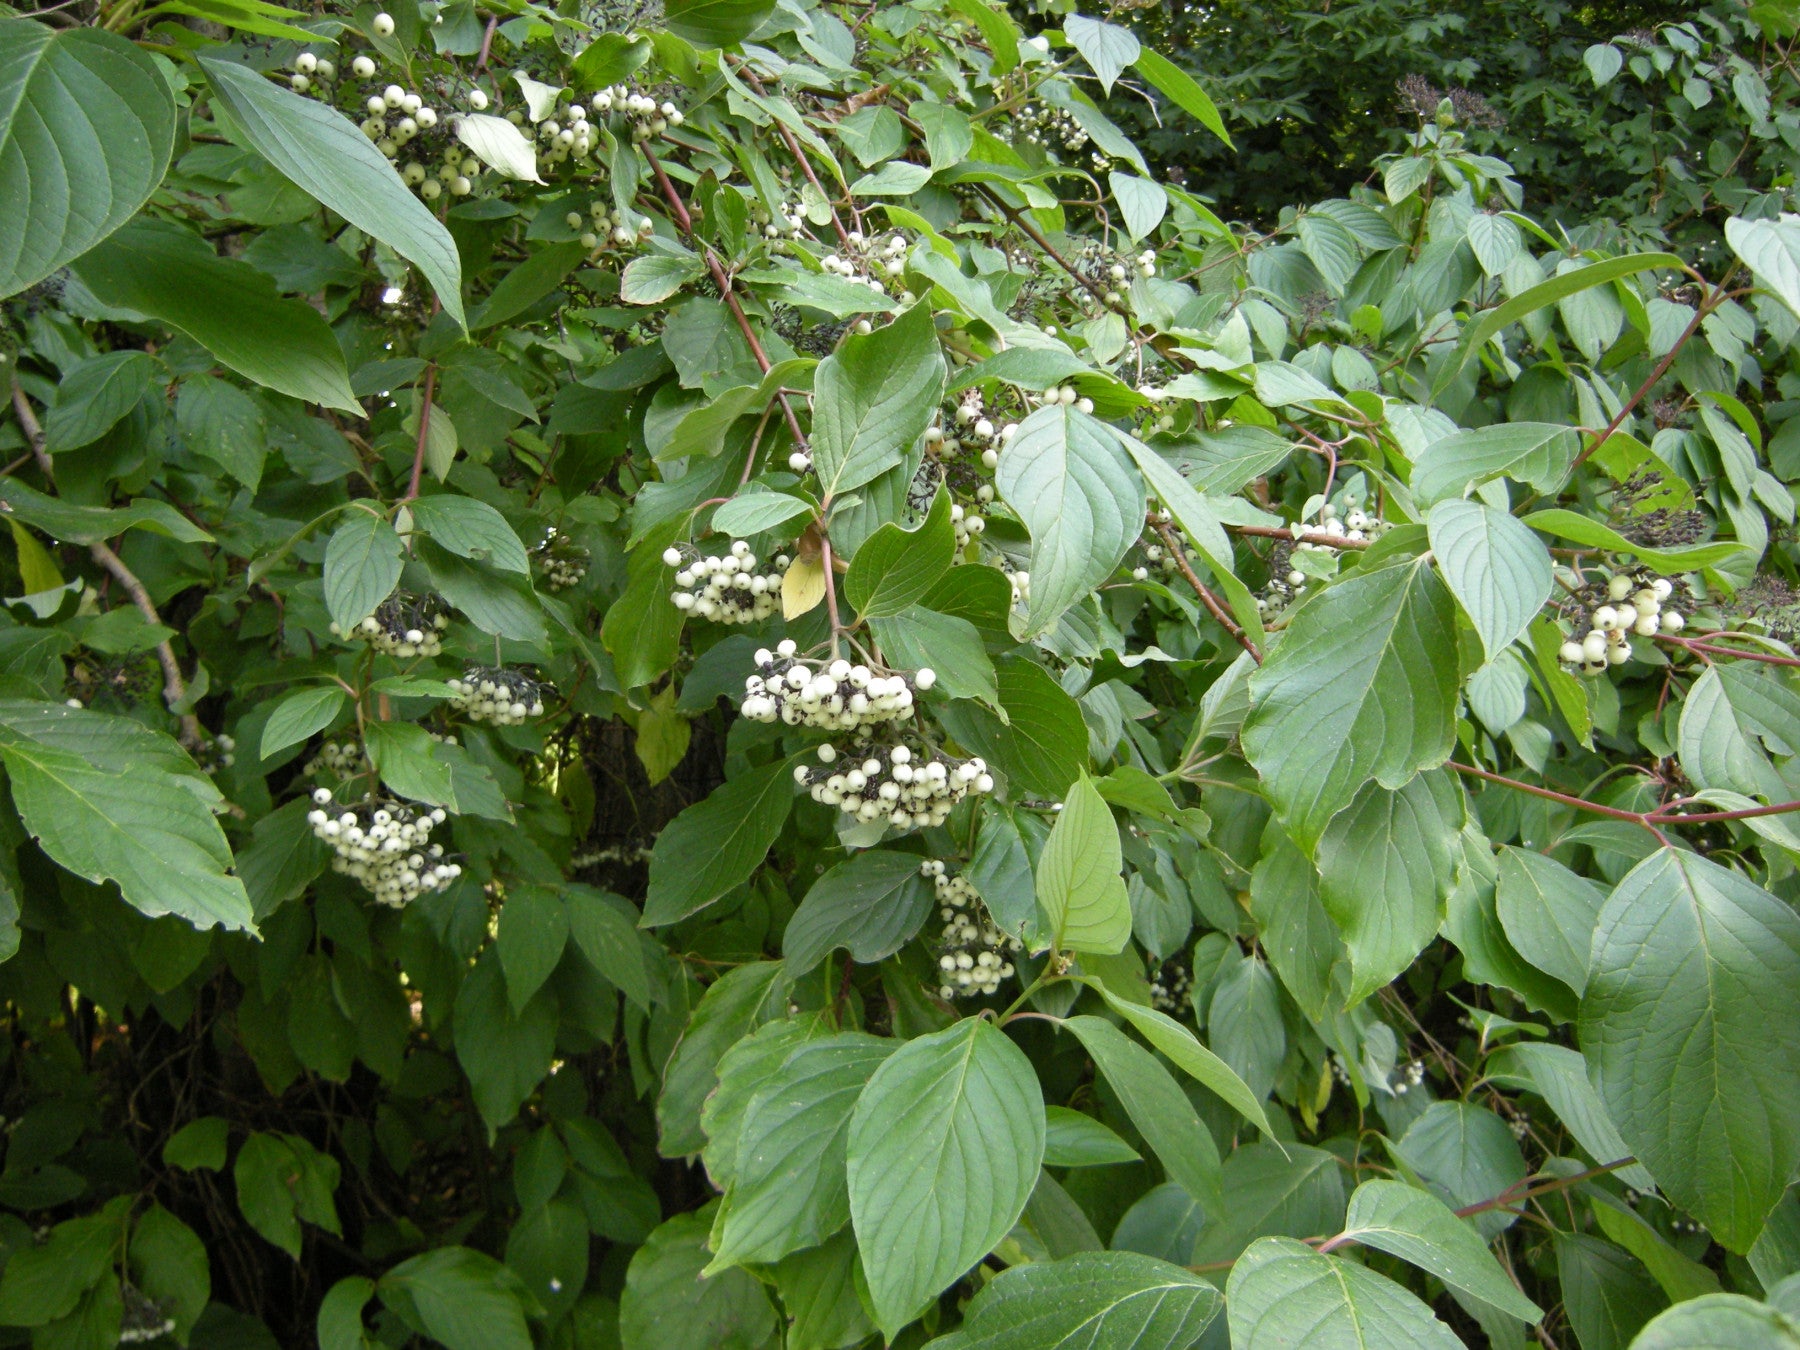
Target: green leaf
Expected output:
[791,1189]
[533,930]
[363,560]
[1549,914]
[465,1299]
[1603,61]
[1591,533]
[299,715]
[872,398]
[715,23]
[1537,453]
[282,1179]
[1107,48]
[915,638]
[997,30]
[1720,1322]
[1076,1139]
[735,1003]
[139,826]
[1498,570]
[873,904]
[93,398]
[199,1143]
[1331,248]
[504,606]
[1606,1294]
[944,1149]
[324,154]
[1680,1277]
[1085,1302]
[608,59]
[1157,1106]
[548,1250]
[87,124]
[742,1072]
[1080,881]
[44,1282]
[1272,1193]
[1042,745]
[1467,1154]
[653,278]
[1283,1294]
[409,761]
[522,287]
[1243,1018]
[1064,474]
[90,524]
[1177,85]
[1187,1054]
[168,1263]
[897,178]
[752,512]
[340,1314]
[642,629]
[1714,1113]
[1549,292]
[669,1305]
[505,1054]
[229,307]
[1386,865]
[1771,248]
[225,424]
[1559,1075]
[1419,1228]
[1362,685]
[717,843]
[893,568]
[609,939]
[471,529]
[1141,202]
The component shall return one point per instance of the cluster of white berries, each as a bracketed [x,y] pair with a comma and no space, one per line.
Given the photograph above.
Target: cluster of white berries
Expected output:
[1634,605]
[141,1318]
[1171,988]
[603,225]
[1021,588]
[877,263]
[974,431]
[218,753]
[1068,396]
[651,117]
[726,589]
[793,220]
[973,951]
[404,626]
[456,174]
[310,67]
[834,696]
[562,561]
[395,117]
[1053,129]
[1406,1077]
[505,698]
[1158,557]
[339,759]
[966,524]
[1520,1125]
[384,845]
[897,784]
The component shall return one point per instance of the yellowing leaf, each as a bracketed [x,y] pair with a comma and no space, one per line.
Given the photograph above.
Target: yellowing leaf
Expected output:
[802,587]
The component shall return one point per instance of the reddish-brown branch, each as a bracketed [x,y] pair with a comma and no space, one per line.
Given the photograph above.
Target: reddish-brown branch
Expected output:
[1304,536]
[722,280]
[1207,598]
[1650,820]
[1700,647]
[793,145]
[174,686]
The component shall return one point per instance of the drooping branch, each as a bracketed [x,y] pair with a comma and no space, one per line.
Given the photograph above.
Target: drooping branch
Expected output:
[174,685]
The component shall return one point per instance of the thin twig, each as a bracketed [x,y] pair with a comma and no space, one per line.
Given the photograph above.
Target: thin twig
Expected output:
[1301,536]
[723,281]
[1650,820]
[1207,598]
[787,135]
[174,686]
